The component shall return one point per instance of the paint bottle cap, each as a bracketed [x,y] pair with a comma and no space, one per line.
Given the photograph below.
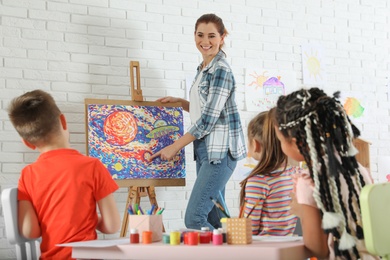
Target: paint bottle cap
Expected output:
[205,228]
[216,232]
[133,231]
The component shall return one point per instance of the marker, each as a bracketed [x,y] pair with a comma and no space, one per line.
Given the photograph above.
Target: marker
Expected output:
[151,210]
[136,208]
[220,207]
[140,209]
[139,212]
[160,211]
[130,210]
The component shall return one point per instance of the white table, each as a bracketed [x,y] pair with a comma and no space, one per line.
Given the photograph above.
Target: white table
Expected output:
[269,250]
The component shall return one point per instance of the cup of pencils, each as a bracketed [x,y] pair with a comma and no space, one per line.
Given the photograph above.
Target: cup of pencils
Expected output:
[148,220]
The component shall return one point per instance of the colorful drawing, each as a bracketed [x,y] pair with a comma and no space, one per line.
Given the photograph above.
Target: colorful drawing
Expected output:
[353,107]
[313,64]
[358,106]
[123,137]
[263,88]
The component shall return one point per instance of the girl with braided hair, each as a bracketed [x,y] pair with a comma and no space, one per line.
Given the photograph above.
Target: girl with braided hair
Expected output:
[314,128]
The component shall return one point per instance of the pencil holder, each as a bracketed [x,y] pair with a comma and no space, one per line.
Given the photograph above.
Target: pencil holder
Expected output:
[147,223]
[239,231]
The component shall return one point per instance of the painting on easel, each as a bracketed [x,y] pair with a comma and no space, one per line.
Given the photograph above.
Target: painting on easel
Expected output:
[124,134]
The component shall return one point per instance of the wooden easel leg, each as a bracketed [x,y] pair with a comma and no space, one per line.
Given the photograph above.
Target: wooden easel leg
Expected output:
[132,194]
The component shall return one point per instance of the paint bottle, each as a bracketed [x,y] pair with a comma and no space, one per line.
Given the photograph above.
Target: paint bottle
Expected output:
[217,237]
[224,223]
[205,235]
[166,238]
[223,232]
[174,238]
[193,238]
[147,237]
[184,237]
[134,236]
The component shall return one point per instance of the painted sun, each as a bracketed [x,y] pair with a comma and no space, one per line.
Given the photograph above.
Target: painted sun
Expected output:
[313,64]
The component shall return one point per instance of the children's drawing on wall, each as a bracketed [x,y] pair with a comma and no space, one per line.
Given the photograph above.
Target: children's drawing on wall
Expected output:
[353,107]
[384,168]
[313,64]
[123,137]
[357,105]
[263,87]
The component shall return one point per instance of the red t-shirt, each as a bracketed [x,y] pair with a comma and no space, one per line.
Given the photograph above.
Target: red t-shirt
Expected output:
[64,186]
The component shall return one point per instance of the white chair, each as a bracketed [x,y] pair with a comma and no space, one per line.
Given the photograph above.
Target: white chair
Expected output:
[375,206]
[25,248]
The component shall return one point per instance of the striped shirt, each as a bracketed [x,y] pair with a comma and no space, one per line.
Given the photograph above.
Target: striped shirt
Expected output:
[219,123]
[272,214]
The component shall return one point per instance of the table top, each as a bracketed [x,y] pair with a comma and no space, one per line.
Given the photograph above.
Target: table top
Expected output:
[259,249]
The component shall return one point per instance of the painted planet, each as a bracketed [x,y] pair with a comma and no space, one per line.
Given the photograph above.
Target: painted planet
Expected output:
[120,128]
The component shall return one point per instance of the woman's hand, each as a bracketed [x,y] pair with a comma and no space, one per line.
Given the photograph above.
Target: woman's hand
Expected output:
[169,99]
[166,153]
[185,104]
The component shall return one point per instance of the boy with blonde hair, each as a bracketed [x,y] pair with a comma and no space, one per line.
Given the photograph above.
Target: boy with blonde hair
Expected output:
[57,194]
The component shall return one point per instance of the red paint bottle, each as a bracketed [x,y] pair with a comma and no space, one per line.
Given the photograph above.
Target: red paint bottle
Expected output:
[134,236]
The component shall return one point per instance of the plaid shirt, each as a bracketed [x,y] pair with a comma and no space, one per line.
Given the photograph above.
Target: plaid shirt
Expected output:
[220,123]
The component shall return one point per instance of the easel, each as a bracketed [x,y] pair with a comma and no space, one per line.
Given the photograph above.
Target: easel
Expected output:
[136,192]
[136,92]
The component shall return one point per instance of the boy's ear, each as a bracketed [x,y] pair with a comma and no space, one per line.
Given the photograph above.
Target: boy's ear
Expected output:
[63,122]
[28,144]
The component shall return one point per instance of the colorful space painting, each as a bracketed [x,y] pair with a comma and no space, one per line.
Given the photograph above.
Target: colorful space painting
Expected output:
[263,87]
[123,137]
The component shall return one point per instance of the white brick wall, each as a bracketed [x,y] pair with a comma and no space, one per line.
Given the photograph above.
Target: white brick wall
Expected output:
[81,49]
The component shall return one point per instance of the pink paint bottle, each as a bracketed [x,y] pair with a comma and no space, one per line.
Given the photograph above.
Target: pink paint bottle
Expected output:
[217,237]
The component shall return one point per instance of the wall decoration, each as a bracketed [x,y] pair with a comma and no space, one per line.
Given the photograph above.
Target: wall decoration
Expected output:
[263,87]
[358,106]
[313,64]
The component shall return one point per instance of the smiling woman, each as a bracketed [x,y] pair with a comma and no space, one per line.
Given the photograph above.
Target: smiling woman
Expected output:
[215,125]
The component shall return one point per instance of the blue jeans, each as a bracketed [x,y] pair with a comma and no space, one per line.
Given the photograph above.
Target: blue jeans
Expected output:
[211,179]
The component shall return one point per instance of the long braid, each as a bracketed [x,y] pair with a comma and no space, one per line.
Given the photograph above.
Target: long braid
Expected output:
[324,135]
[315,166]
[351,163]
